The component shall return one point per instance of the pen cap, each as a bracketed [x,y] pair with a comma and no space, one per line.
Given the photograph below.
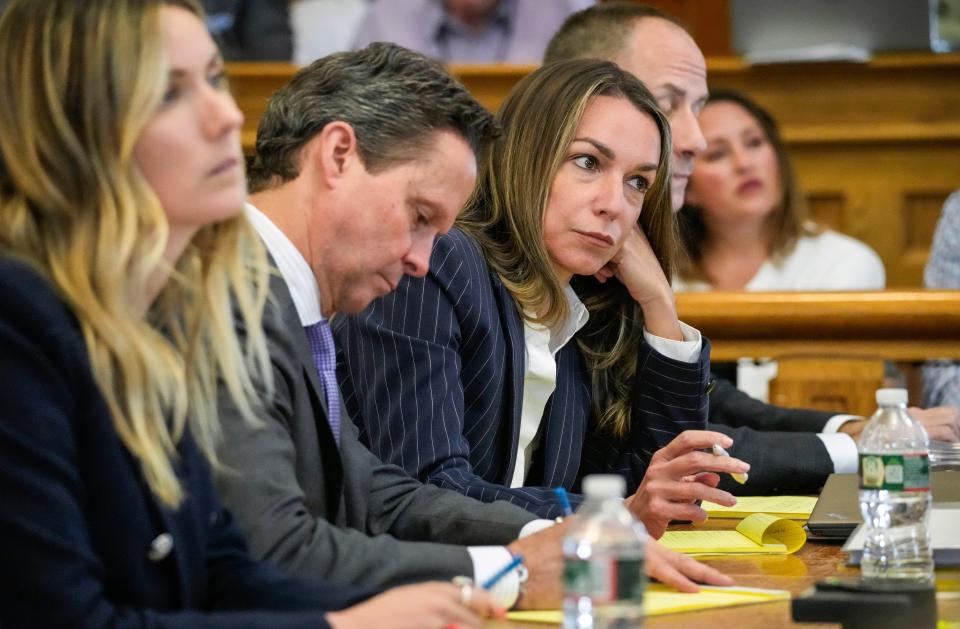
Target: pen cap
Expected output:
[603,486]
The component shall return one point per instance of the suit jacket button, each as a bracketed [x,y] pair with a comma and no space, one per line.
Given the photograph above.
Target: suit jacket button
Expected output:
[160,547]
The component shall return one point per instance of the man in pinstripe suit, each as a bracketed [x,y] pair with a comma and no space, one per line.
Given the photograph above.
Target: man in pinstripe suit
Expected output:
[361,160]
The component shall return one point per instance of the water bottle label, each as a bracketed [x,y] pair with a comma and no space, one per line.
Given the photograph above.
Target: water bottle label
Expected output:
[603,580]
[895,472]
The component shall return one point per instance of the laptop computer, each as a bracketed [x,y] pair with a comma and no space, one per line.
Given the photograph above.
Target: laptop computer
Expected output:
[944,537]
[837,512]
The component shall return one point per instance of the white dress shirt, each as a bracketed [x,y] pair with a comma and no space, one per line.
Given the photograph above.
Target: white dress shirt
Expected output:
[540,371]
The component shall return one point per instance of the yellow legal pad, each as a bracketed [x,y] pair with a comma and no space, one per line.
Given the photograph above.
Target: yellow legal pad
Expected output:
[660,599]
[792,507]
[760,533]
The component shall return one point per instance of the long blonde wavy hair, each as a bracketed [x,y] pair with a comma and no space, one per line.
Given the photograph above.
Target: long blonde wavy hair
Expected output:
[506,212]
[80,81]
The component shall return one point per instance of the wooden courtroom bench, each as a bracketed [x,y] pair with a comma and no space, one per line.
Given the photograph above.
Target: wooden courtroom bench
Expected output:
[875,145]
[830,346]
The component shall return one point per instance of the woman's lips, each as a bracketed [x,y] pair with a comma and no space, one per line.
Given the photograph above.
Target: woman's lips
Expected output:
[225,166]
[597,238]
[749,186]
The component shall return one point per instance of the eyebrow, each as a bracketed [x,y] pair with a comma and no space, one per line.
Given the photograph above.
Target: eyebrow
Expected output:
[215,60]
[676,90]
[607,152]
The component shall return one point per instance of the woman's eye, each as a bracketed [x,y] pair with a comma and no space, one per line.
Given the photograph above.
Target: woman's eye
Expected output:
[640,183]
[587,162]
[712,156]
[172,93]
[218,80]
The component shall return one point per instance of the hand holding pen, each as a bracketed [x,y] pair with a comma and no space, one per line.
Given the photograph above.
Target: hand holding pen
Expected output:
[679,475]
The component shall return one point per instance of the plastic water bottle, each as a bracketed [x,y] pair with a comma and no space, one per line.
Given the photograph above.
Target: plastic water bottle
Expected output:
[603,560]
[895,494]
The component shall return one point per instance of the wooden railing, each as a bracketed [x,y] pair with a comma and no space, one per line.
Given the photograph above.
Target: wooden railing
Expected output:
[831,348]
[893,325]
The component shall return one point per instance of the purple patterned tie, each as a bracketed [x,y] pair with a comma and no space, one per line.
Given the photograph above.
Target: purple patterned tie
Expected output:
[325,358]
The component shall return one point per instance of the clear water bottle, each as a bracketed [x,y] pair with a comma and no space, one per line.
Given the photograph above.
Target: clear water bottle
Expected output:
[603,560]
[895,494]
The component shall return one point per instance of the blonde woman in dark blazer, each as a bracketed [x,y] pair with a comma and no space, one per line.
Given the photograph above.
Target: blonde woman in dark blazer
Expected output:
[122,248]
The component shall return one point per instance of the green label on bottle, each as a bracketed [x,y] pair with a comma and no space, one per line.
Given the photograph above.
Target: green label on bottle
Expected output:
[895,472]
[603,580]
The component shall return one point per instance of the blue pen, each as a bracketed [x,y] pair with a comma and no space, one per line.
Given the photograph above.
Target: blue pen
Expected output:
[564,501]
[502,572]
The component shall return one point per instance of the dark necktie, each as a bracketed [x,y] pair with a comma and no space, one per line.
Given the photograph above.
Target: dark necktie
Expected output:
[325,358]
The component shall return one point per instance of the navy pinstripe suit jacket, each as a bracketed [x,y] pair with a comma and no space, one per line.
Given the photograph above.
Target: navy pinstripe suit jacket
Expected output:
[433,375]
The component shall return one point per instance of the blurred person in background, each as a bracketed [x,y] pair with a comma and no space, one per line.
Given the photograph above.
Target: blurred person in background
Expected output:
[744,225]
[468,31]
[251,30]
[941,379]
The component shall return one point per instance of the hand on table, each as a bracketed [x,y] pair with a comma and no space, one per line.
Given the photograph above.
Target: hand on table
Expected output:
[678,570]
[940,422]
[543,556]
[424,606]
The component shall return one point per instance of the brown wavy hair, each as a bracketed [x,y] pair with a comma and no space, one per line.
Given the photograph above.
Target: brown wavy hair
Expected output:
[505,217]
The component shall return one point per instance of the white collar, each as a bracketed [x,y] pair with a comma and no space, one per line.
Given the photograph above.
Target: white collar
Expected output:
[561,333]
[294,269]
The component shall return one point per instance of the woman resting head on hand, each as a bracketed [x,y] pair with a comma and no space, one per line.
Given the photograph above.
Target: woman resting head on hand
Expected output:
[123,257]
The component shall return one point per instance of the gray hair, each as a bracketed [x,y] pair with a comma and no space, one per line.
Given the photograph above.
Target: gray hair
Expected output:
[393,98]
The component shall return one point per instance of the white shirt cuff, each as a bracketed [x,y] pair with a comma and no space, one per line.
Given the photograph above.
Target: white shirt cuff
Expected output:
[833,424]
[487,561]
[842,450]
[687,350]
[535,526]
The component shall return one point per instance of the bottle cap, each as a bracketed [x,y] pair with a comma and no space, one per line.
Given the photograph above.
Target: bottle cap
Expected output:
[891,397]
[604,486]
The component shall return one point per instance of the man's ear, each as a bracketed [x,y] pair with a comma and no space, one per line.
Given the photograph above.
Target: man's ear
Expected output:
[334,152]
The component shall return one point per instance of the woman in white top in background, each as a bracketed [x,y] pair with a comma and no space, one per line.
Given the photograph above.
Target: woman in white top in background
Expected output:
[744,225]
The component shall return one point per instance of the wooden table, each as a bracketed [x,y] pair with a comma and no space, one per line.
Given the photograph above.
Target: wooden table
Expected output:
[795,573]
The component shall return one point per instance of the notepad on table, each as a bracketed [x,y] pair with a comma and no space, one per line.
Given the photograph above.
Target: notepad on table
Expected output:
[659,600]
[760,533]
[792,507]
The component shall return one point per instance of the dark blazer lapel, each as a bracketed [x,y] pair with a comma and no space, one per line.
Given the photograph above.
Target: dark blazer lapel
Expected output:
[564,419]
[516,353]
[332,464]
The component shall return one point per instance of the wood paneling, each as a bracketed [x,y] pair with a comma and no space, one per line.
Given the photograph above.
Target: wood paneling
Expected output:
[707,20]
[828,384]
